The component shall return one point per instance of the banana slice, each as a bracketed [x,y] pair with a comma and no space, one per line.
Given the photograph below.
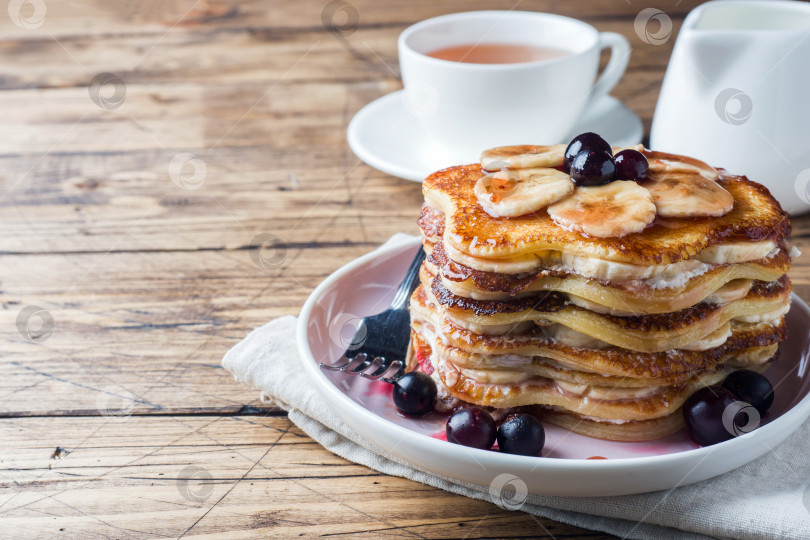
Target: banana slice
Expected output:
[522,157]
[714,339]
[637,147]
[599,308]
[573,338]
[738,252]
[770,317]
[608,211]
[512,193]
[688,194]
[731,291]
[496,376]
[664,163]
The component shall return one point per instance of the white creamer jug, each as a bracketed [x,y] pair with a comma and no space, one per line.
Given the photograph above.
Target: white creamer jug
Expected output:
[737,94]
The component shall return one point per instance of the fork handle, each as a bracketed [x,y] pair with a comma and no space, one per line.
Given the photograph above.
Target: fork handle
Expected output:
[410,282]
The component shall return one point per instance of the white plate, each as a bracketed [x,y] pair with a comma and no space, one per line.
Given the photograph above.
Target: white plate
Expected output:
[384,135]
[367,285]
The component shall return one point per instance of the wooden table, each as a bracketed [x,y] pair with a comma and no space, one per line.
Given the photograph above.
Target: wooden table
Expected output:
[119,421]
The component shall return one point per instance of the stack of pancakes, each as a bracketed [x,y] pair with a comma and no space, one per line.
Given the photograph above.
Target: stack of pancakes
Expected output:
[604,336]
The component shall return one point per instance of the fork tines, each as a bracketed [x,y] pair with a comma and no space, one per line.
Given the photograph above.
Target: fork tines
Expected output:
[380,343]
[369,368]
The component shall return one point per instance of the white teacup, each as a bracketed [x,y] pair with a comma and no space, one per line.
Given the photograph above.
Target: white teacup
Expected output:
[735,94]
[468,107]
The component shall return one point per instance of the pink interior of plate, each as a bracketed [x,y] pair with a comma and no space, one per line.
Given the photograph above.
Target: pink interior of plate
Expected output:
[370,288]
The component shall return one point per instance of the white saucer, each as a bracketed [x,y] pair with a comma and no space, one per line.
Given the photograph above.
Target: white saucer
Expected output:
[384,135]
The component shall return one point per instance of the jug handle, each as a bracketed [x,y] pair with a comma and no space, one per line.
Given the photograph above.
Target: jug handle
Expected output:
[619,57]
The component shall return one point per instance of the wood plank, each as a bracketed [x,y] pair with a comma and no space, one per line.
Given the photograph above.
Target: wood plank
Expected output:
[288,105]
[129,203]
[220,476]
[240,56]
[107,18]
[151,346]
[224,57]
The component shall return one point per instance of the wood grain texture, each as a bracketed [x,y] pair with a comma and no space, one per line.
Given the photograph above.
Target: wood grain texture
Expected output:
[226,476]
[122,422]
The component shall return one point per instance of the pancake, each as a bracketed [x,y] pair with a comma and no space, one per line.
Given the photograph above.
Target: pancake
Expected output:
[648,333]
[632,296]
[599,302]
[492,369]
[744,347]
[731,250]
[755,216]
[591,426]
[628,431]
[614,403]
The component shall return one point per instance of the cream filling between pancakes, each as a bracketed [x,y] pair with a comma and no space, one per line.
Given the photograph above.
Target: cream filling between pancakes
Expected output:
[655,276]
[733,290]
[506,379]
[540,364]
[573,338]
[766,317]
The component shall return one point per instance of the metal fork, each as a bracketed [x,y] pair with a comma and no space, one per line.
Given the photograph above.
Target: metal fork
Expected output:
[381,341]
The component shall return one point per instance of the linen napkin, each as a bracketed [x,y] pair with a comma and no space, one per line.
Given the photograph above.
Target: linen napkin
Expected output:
[768,498]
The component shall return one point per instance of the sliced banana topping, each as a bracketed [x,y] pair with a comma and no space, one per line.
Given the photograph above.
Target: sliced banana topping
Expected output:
[495,376]
[711,340]
[605,392]
[615,271]
[688,194]
[769,317]
[573,338]
[522,157]
[731,291]
[662,162]
[599,308]
[525,178]
[512,193]
[637,147]
[737,252]
[608,211]
[595,267]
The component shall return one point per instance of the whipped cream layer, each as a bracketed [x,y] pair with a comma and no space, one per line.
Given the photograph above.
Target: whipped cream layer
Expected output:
[608,403]
[565,335]
[505,378]
[657,276]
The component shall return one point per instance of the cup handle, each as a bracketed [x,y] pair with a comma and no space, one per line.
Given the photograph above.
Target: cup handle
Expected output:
[619,57]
